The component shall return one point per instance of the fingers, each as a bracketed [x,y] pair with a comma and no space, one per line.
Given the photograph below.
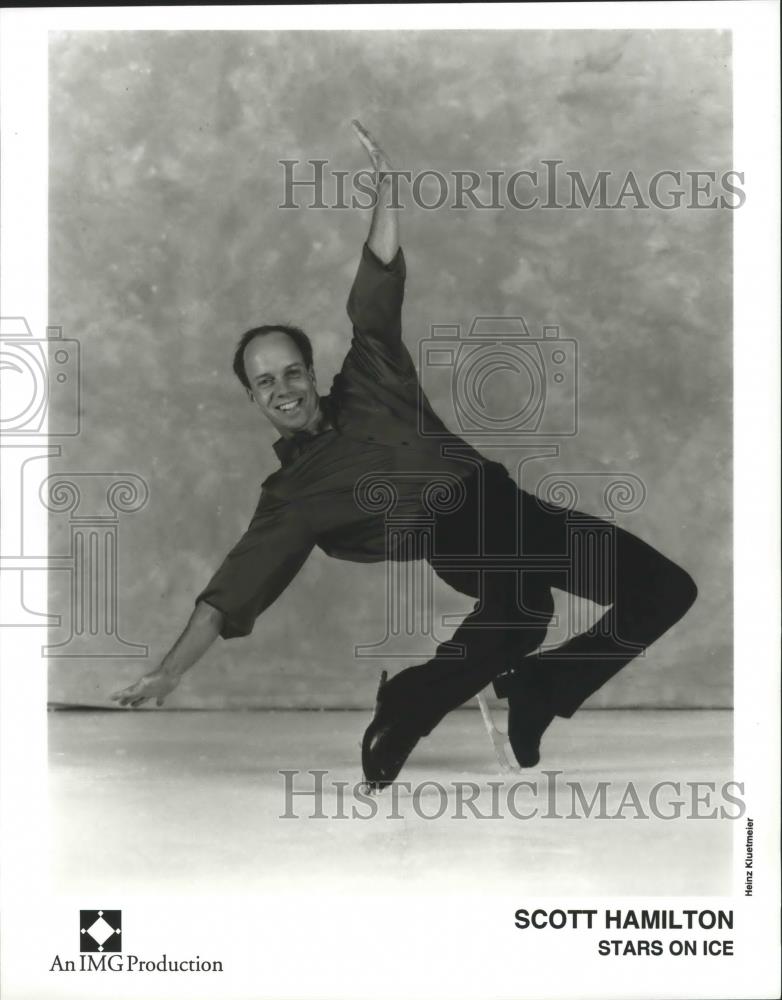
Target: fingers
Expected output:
[375,151]
[124,693]
[143,690]
[366,139]
[360,131]
[132,698]
[125,696]
[129,696]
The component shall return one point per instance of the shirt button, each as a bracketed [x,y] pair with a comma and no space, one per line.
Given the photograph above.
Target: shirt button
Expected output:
[370,438]
[405,442]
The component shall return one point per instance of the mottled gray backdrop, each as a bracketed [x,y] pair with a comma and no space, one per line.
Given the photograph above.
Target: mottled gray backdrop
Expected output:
[166,242]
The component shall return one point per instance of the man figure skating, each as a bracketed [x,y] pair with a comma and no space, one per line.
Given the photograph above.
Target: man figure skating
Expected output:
[369,425]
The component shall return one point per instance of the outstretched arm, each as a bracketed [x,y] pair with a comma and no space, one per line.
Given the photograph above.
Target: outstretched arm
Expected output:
[199,634]
[252,576]
[383,239]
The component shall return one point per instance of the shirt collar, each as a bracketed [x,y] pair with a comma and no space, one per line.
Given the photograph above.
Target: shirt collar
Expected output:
[284,449]
[288,448]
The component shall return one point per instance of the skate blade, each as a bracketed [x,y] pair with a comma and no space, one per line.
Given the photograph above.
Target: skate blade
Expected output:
[499,740]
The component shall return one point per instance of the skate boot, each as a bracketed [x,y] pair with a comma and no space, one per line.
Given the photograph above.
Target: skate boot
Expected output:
[530,711]
[388,742]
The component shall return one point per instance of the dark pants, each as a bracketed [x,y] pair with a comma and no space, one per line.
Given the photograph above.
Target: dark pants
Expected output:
[506,548]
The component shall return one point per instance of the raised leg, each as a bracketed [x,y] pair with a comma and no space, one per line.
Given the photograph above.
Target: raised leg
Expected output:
[648,593]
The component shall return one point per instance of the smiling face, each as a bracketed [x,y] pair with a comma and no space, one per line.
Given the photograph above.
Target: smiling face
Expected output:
[281,385]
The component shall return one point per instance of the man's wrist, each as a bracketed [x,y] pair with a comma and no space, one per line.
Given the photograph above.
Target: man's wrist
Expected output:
[172,669]
[374,257]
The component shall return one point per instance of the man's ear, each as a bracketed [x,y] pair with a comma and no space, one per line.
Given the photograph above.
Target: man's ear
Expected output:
[249,394]
[311,373]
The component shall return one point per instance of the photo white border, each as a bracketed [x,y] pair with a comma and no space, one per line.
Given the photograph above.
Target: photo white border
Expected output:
[279,949]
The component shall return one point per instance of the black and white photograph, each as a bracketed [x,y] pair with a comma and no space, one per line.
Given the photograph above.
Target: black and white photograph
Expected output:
[390,446]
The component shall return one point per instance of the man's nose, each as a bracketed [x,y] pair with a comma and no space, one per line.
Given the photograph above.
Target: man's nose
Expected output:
[286,388]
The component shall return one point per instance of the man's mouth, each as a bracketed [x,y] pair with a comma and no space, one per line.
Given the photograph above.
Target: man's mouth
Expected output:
[290,406]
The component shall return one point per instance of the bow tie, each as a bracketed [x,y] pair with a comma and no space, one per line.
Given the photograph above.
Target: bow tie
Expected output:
[288,448]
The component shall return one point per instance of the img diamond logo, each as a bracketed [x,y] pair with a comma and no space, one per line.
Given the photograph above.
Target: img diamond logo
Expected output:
[100,930]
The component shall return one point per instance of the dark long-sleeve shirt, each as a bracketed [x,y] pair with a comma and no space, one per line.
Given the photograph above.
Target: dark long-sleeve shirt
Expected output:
[335,488]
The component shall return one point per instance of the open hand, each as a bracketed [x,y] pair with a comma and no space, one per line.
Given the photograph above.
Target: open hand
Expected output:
[157,684]
[376,153]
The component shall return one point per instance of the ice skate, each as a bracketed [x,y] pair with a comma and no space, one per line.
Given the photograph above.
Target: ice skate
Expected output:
[529,712]
[499,740]
[388,742]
